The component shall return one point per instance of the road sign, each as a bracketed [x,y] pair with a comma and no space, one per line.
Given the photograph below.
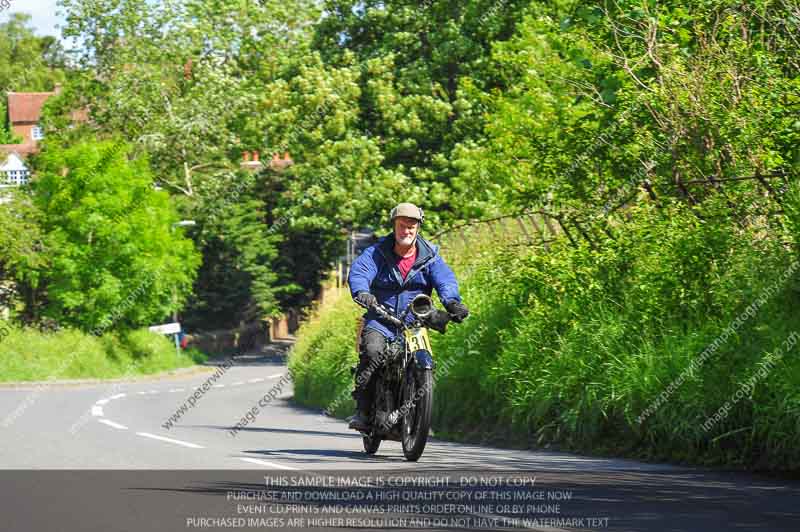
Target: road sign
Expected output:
[167,328]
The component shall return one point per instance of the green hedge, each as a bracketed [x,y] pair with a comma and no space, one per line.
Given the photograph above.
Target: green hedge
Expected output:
[321,359]
[28,354]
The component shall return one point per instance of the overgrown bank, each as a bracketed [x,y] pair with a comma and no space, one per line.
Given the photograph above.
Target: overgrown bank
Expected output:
[29,355]
[607,349]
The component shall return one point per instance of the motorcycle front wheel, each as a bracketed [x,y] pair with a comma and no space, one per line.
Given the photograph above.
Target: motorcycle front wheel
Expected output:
[418,393]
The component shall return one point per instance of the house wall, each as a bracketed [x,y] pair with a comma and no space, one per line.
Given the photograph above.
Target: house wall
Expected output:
[12,163]
[25,131]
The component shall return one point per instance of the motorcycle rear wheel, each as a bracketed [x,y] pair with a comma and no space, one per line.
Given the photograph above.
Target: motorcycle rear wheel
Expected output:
[417,422]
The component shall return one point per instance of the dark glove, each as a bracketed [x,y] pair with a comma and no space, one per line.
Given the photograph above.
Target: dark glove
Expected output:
[458,311]
[365,299]
[438,320]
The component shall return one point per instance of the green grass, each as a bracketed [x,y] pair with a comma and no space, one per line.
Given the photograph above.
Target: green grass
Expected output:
[324,381]
[29,355]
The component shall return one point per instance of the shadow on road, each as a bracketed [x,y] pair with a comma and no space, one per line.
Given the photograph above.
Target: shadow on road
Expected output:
[310,456]
[275,430]
[272,354]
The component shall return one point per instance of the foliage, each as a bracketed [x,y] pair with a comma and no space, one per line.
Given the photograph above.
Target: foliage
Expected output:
[610,95]
[27,354]
[114,257]
[423,69]
[28,62]
[237,281]
[177,78]
[185,87]
[22,246]
[320,361]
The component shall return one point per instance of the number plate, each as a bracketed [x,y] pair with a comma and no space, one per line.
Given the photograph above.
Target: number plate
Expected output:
[418,339]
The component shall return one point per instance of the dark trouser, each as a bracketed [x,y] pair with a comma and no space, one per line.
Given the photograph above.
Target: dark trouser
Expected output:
[370,351]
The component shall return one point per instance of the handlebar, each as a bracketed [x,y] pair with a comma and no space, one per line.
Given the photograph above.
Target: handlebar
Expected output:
[383,313]
[437,320]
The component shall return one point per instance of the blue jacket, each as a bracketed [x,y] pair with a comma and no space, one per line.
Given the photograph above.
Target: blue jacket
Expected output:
[375,271]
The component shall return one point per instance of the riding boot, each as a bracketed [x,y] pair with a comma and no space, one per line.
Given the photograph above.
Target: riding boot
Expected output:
[360,421]
[372,346]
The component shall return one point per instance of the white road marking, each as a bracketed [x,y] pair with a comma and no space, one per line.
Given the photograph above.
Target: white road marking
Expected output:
[97,411]
[275,376]
[112,424]
[256,380]
[218,386]
[170,440]
[153,391]
[268,464]
[142,393]
[102,401]
[175,390]
[237,383]
[118,396]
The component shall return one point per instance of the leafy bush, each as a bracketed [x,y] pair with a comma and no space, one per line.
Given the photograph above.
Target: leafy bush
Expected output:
[325,351]
[114,257]
[27,354]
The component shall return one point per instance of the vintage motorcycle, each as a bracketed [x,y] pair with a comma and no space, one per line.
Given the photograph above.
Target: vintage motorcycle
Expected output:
[403,399]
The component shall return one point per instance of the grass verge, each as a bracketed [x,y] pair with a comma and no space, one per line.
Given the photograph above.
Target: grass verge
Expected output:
[29,355]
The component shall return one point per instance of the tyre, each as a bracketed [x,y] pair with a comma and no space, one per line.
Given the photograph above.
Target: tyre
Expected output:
[371,444]
[418,393]
[371,440]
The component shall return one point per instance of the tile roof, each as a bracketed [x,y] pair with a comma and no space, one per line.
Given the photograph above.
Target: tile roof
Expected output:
[26,106]
[19,149]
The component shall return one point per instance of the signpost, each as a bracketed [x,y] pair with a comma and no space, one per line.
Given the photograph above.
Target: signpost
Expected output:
[169,328]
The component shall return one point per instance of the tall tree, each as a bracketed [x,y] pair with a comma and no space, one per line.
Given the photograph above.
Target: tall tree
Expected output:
[425,66]
[617,95]
[24,253]
[28,62]
[115,255]
[182,81]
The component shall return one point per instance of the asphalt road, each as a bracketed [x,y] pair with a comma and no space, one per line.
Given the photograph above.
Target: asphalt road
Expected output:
[77,457]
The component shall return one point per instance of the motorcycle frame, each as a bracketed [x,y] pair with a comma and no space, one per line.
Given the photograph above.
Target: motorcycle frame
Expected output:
[417,355]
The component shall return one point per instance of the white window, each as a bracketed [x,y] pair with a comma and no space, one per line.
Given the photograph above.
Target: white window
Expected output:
[15,178]
[13,171]
[37,133]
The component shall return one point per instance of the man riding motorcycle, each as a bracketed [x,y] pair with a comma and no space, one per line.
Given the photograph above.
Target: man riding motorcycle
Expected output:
[392,272]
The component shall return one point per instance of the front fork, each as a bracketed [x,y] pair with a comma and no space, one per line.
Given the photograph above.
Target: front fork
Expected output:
[422,359]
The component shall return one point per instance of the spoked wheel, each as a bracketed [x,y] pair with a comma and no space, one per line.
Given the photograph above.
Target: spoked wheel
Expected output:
[371,443]
[418,395]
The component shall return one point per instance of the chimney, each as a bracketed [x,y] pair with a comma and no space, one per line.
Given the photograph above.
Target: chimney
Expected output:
[250,161]
[281,162]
